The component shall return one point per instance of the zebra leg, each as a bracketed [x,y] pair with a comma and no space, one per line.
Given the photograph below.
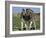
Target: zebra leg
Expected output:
[21,25]
[30,25]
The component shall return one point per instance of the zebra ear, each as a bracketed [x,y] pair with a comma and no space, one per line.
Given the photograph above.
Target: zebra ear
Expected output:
[23,10]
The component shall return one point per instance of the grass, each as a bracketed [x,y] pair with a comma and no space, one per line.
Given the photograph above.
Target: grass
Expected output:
[17,22]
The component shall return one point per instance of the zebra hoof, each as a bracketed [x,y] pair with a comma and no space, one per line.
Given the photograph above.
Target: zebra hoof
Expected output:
[32,28]
[19,29]
[24,28]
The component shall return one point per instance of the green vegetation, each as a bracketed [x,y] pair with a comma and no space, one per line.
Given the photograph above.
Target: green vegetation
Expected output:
[16,22]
